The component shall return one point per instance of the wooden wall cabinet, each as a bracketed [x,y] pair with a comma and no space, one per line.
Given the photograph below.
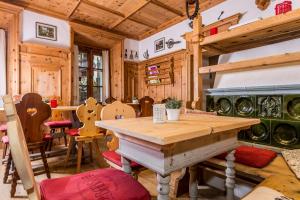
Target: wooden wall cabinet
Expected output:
[46,71]
[131,77]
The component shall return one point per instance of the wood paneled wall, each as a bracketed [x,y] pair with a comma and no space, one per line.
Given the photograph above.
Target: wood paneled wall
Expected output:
[131,77]
[180,89]
[46,70]
[117,71]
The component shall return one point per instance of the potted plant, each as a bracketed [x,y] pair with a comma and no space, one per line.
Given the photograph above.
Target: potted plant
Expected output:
[135,100]
[173,109]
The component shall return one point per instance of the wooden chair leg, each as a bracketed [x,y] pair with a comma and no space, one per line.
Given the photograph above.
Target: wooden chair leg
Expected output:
[65,137]
[91,151]
[7,168]
[15,178]
[70,146]
[79,155]
[42,150]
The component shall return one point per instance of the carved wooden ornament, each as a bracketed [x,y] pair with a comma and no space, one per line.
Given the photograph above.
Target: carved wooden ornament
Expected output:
[263,4]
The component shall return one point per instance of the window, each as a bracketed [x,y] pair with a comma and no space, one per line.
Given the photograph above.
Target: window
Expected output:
[90,74]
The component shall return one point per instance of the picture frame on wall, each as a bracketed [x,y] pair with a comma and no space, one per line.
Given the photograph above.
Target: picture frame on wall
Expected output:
[46,31]
[159,45]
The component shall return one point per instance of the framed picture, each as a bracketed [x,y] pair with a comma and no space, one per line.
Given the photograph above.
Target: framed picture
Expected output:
[46,31]
[159,45]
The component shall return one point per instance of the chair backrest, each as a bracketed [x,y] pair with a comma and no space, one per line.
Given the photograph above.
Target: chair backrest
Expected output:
[88,113]
[146,106]
[110,100]
[33,112]
[19,149]
[199,112]
[116,110]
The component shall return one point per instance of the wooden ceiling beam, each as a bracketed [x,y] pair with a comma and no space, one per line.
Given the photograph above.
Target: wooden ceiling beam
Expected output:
[103,8]
[142,4]
[166,7]
[75,8]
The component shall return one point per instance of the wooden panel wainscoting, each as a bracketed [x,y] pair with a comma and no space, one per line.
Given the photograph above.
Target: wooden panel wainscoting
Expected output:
[46,71]
[131,77]
[180,88]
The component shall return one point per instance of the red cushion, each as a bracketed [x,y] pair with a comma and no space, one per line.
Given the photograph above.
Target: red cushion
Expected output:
[115,158]
[73,132]
[5,140]
[47,136]
[59,124]
[110,184]
[252,156]
[3,127]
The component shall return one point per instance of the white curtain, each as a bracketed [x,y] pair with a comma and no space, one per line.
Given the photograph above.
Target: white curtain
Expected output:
[2,65]
[106,81]
[75,85]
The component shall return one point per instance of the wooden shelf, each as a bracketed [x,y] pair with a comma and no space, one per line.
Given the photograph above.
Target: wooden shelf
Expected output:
[269,61]
[263,32]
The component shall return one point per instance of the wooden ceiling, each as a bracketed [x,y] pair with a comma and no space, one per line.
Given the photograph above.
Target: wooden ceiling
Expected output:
[135,19]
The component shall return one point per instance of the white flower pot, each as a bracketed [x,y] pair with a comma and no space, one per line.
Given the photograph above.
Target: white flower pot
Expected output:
[173,114]
[135,101]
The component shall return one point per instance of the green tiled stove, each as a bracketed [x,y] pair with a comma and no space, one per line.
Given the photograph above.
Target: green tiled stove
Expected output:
[278,107]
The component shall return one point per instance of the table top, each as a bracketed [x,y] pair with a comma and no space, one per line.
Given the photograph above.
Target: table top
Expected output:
[189,126]
[65,108]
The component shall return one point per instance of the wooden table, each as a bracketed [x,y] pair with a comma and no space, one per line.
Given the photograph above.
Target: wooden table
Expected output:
[65,108]
[165,148]
[66,114]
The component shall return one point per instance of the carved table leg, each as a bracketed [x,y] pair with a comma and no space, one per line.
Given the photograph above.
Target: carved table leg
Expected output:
[193,187]
[163,187]
[126,165]
[230,176]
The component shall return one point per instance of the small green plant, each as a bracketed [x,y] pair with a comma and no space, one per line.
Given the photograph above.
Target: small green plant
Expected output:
[173,104]
[134,98]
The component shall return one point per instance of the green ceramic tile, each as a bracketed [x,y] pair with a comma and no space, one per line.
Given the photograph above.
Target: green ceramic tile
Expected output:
[291,107]
[244,106]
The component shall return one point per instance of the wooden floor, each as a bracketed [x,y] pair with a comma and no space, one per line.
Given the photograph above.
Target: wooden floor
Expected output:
[57,168]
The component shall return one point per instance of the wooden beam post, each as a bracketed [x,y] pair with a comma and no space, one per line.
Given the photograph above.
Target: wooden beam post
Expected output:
[198,62]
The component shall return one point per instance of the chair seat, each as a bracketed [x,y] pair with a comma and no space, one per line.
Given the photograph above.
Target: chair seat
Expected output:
[47,136]
[115,158]
[72,132]
[59,124]
[110,184]
[252,156]
[5,140]
[3,127]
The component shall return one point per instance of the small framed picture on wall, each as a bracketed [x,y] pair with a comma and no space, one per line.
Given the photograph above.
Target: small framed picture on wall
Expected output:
[159,45]
[46,31]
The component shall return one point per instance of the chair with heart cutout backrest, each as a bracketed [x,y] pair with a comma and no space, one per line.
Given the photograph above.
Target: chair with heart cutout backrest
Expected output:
[32,112]
[98,184]
[89,133]
[116,111]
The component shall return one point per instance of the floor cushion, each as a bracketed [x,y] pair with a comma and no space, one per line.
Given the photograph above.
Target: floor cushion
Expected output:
[115,158]
[108,184]
[5,140]
[72,132]
[59,124]
[252,156]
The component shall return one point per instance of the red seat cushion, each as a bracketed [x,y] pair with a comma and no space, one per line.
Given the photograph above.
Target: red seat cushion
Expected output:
[109,184]
[73,132]
[252,156]
[47,136]
[115,158]
[5,140]
[59,124]
[3,127]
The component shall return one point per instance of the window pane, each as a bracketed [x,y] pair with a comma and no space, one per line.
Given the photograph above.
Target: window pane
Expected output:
[97,62]
[83,59]
[82,76]
[82,93]
[97,93]
[97,78]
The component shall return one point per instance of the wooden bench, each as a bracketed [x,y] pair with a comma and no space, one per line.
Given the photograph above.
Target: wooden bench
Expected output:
[277,175]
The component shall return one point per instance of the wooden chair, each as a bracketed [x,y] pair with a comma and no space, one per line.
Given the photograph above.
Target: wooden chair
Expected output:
[32,112]
[99,184]
[146,106]
[116,111]
[110,100]
[58,124]
[89,133]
